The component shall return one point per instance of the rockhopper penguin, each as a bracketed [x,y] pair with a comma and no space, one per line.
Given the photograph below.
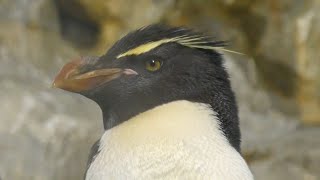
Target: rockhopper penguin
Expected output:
[168,108]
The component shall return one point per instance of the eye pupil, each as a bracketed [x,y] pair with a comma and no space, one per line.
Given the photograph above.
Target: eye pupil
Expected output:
[153,65]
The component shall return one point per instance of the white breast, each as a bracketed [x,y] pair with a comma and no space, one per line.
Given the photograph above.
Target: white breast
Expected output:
[178,140]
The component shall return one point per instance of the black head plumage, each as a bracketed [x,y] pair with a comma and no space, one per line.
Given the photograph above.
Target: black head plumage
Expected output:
[170,64]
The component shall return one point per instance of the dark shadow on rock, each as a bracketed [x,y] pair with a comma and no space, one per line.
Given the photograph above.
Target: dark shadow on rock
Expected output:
[75,24]
[277,76]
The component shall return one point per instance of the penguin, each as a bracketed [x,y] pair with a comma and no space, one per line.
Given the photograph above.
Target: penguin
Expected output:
[168,108]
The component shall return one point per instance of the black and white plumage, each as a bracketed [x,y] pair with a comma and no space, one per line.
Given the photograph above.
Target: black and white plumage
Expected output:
[168,108]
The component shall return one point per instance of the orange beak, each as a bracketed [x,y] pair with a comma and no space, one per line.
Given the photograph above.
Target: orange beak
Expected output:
[70,78]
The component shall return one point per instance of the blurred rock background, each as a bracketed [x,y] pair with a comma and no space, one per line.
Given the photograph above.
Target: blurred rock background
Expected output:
[46,134]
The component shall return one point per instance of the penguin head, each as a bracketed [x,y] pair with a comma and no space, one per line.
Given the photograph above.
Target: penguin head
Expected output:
[152,66]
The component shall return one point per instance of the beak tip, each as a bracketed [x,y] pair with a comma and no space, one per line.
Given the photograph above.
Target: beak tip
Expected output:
[53,85]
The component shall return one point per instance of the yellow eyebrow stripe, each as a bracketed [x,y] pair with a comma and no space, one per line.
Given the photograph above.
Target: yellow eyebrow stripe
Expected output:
[188,41]
[145,47]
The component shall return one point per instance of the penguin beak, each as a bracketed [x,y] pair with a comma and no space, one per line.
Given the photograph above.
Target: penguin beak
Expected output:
[70,78]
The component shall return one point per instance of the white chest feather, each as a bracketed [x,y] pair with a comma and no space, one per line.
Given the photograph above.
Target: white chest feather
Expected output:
[178,140]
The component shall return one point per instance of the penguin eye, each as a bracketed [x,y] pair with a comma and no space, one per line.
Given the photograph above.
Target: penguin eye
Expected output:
[153,65]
